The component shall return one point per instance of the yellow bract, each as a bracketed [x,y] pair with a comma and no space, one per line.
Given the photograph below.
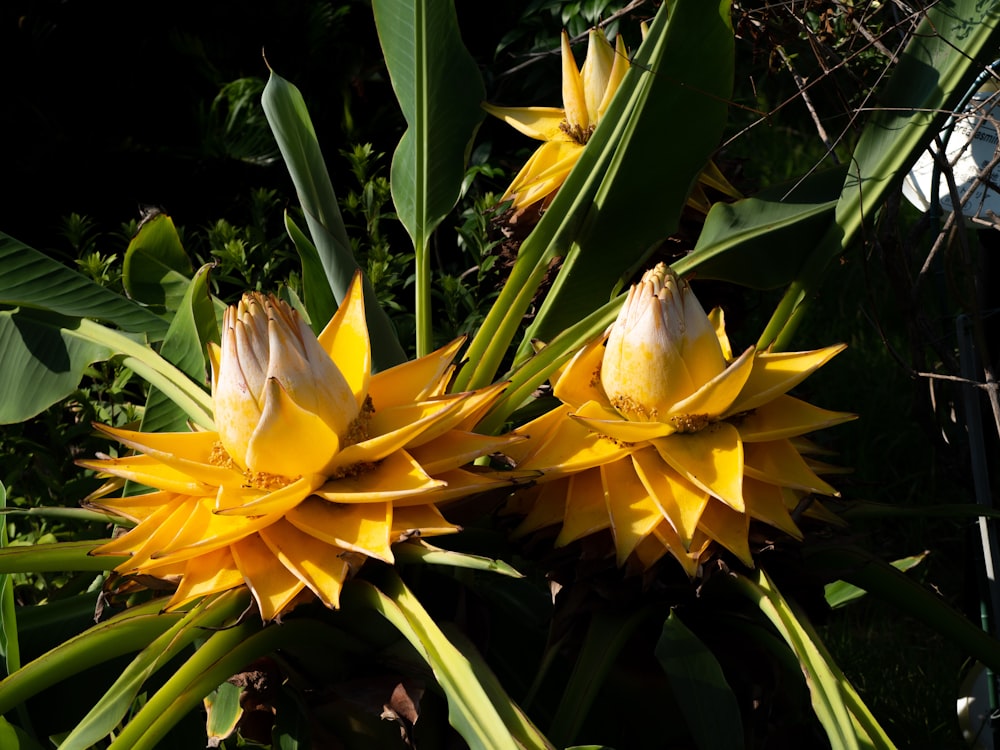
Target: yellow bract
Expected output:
[667,439]
[316,463]
[587,91]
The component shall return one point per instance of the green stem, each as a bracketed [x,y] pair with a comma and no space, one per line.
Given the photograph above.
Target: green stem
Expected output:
[424,322]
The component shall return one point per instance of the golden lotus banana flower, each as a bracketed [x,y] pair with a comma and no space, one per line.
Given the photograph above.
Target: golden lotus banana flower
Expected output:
[668,440]
[587,91]
[315,464]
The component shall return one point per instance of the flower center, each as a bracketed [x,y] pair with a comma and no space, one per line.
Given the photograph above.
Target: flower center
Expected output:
[578,133]
[690,422]
[260,480]
[628,407]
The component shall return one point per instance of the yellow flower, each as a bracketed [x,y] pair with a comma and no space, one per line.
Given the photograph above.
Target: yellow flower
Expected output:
[315,465]
[587,92]
[668,440]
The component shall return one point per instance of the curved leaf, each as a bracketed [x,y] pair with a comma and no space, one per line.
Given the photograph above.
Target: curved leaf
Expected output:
[30,279]
[706,700]
[293,129]
[156,270]
[194,325]
[762,242]
[439,89]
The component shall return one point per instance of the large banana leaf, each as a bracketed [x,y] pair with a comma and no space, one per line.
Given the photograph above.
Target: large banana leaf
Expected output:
[293,129]
[30,279]
[439,90]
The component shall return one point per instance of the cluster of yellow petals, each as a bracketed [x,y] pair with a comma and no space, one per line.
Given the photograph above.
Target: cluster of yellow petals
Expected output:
[587,92]
[668,440]
[315,464]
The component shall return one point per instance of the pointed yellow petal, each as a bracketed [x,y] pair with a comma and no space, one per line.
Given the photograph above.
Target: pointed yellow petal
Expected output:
[690,559]
[135,508]
[580,381]
[405,416]
[717,395]
[596,72]
[574,101]
[271,584]
[540,123]
[606,421]
[457,448]
[778,462]
[633,514]
[311,560]
[680,501]
[474,407]
[459,483]
[151,472]
[775,373]
[618,71]
[419,520]
[414,380]
[586,509]
[206,530]
[568,447]
[289,441]
[728,528]
[147,538]
[363,527]
[272,503]
[786,417]
[345,339]
[205,575]
[189,452]
[718,320]
[544,172]
[711,459]
[396,477]
[766,502]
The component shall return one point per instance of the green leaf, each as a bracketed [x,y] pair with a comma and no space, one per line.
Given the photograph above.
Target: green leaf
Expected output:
[129,631]
[15,738]
[223,654]
[101,720]
[847,721]
[700,687]
[839,593]
[319,299]
[30,279]
[471,710]
[421,551]
[293,129]
[439,89]
[224,711]
[879,578]
[194,325]
[607,635]
[61,556]
[45,356]
[762,242]
[43,362]
[9,648]
[156,270]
